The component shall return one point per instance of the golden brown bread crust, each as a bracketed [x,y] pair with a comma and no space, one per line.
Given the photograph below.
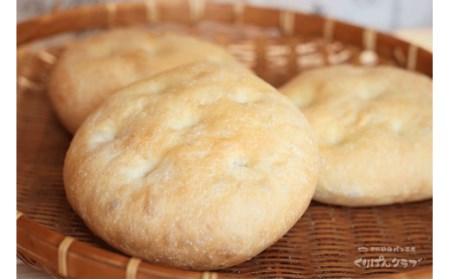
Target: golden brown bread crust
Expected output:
[91,69]
[200,167]
[374,129]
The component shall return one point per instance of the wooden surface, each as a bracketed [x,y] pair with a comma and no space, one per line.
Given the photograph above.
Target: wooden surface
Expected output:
[24,271]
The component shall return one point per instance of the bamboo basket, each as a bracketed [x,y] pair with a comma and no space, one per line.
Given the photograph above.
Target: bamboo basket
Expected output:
[327,242]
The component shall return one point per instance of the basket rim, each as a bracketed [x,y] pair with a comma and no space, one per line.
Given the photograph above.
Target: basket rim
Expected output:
[104,16]
[54,239]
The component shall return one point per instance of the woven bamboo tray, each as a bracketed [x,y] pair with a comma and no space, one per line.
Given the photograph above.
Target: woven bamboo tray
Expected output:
[328,242]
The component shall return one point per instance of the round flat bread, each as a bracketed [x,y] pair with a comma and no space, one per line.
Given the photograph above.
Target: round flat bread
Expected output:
[92,69]
[200,167]
[374,130]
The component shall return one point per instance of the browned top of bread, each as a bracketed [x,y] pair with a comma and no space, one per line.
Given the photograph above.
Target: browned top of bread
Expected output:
[201,167]
[93,68]
[374,129]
